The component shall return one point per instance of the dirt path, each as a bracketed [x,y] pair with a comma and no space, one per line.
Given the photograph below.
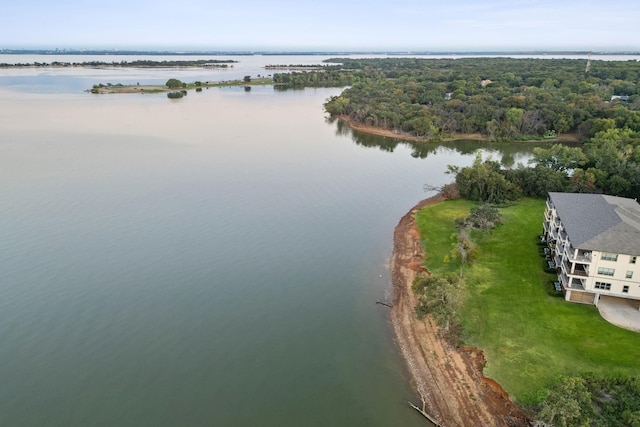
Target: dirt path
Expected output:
[449,379]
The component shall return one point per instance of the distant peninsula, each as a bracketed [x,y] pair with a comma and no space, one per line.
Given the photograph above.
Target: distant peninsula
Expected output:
[207,63]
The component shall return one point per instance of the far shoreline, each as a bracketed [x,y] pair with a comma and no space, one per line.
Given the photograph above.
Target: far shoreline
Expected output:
[378,131]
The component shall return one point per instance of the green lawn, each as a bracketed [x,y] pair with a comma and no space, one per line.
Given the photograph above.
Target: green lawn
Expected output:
[530,338]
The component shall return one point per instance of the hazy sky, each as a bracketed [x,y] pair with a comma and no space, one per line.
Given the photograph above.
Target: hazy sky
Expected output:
[428,25]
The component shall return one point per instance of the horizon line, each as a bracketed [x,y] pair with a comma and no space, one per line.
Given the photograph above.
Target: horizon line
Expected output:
[116,51]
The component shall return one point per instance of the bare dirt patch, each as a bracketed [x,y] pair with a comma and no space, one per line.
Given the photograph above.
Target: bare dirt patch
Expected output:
[449,379]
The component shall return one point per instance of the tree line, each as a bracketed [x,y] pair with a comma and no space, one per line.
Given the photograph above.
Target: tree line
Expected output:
[608,163]
[500,98]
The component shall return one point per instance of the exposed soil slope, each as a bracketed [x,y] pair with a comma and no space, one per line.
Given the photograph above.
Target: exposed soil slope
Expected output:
[450,380]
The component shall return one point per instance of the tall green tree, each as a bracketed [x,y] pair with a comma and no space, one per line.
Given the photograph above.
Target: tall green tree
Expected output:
[568,404]
[559,157]
[174,84]
[483,181]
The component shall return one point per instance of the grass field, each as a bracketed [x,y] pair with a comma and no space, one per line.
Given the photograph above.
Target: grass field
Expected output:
[530,337]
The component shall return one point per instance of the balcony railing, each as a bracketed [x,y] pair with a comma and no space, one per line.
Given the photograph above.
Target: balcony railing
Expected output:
[577,271]
[583,257]
[549,204]
[562,236]
[558,258]
[576,284]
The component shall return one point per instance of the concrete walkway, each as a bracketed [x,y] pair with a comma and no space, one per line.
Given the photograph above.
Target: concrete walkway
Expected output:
[620,312]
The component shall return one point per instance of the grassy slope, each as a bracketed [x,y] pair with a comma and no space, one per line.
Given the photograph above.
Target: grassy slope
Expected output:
[529,337]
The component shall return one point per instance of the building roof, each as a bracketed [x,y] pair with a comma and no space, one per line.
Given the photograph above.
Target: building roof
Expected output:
[598,222]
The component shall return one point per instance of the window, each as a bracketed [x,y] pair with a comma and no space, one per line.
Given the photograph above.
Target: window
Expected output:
[629,274]
[602,285]
[606,271]
[632,260]
[609,257]
[625,289]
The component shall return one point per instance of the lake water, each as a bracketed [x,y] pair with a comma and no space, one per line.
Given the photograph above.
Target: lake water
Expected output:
[213,260]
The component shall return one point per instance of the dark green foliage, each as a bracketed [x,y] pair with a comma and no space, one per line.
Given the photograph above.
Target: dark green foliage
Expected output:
[324,78]
[537,181]
[483,217]
[174,84]
[608,163]
[559,157]
[568,404]
[526,98]
[439,296]
[175,95]
[593,401]
[613,163]
[484,182]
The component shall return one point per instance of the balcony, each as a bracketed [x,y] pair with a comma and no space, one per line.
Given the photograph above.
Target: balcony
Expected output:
[576,284]
[571,282]
[550,205]
[558,258]
[562,235]
[583,257]
[578,269]
[578,272]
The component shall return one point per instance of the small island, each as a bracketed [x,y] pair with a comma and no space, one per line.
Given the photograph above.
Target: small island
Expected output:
[176,86]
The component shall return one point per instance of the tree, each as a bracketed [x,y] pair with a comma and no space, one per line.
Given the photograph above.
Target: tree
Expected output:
[174,84]
[583,181]
[439,296]
[247,79]
[601,125]
[559,157]
[568,404]
[336,105]
[483,217]
[537,181]
[484,182]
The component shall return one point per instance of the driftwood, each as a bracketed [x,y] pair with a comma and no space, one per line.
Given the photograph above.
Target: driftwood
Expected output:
[384,303]
[427,416]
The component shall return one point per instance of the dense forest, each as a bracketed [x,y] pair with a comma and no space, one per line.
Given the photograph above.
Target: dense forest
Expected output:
[503,99]
[500,98]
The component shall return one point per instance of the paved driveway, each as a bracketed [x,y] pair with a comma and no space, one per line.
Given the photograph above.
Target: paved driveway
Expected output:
[621,312]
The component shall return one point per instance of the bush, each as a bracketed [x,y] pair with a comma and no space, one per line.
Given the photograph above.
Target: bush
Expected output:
[174,84]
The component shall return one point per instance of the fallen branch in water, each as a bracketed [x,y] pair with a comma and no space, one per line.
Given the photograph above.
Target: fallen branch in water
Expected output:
[384,303]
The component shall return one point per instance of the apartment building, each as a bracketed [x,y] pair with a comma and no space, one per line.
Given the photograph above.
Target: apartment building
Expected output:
[595,245]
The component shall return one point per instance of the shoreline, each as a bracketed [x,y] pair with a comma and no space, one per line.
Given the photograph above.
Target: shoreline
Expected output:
[102,89]
[373,130]
[449,380]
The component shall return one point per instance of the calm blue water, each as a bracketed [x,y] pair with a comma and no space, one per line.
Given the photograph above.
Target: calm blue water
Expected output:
[213,260]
